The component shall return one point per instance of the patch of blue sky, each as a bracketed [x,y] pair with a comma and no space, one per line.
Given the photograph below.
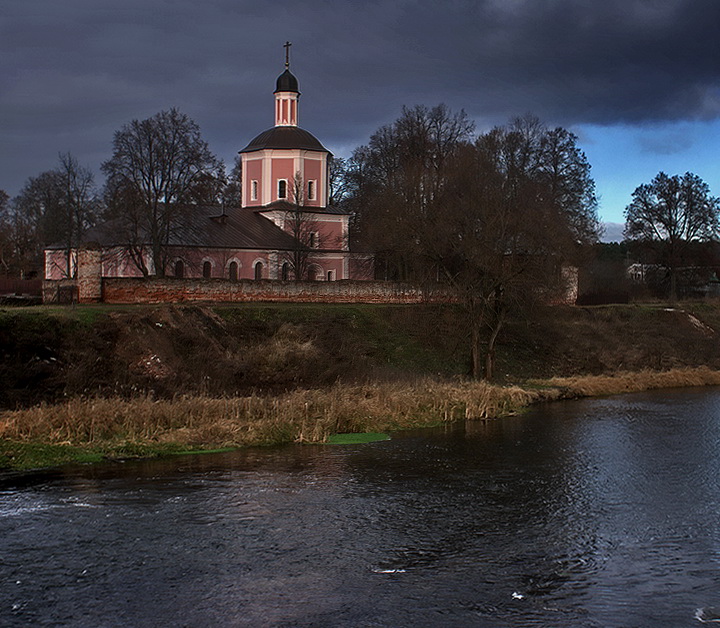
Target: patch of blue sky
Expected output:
[625,156]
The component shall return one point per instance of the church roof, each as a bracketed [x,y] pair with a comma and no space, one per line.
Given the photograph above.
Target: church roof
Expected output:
[237,228]
[207,226]
[286,82]
[285,137]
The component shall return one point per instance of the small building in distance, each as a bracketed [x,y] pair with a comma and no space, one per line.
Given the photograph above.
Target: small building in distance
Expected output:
[283,228]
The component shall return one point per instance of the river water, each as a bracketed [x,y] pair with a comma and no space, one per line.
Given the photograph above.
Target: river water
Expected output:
[590,513]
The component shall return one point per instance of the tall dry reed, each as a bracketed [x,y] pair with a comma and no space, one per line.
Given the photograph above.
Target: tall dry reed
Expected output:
[299,415]
[308,415]
[622,382]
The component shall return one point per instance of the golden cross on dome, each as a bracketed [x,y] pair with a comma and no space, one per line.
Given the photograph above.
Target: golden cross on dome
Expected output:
[287,45]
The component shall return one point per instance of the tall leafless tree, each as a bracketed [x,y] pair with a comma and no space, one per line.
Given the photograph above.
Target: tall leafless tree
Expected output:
[159,167]
[396,180]
[337,180]
[492,220]
[56,207]
[6,245]
[300,223]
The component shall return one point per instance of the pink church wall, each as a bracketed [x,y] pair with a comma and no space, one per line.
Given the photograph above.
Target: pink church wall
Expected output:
[331,234]
[253,171]
[116,263]
[220,260]
[282,169]
[312,173]
[319,266]
[56,264]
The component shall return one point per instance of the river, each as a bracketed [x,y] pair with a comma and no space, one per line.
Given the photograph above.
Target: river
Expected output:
[598,512]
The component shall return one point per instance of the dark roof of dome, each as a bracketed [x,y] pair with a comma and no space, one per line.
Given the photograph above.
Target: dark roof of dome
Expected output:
[287,82]
[285,137]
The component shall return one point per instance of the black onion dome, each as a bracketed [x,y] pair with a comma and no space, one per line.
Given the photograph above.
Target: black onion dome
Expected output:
[287,83]
[285,137]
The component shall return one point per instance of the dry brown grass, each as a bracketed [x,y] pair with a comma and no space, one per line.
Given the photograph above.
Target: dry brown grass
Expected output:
[299,415]
[622,382]
[305,415]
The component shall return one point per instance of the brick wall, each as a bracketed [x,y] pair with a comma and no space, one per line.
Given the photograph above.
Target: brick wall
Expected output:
[171,290]
[92,288]
[89,279]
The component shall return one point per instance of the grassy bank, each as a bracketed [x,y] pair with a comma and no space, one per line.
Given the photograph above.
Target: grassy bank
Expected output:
[100,381]
[85,429]
[52,354]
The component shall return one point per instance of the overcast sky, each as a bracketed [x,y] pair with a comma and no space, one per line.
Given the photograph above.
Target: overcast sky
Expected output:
[637,80]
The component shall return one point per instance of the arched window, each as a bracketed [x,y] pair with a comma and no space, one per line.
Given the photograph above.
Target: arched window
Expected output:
[207,270]
[331,275]
[179,268]
[282,188]
[233,271]
[258,270]
[285,271]
[313,273]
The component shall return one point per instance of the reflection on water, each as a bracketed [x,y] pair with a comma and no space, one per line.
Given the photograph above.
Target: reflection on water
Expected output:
[592,513]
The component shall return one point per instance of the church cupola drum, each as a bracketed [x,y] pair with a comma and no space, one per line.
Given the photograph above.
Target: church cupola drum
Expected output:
[287,95]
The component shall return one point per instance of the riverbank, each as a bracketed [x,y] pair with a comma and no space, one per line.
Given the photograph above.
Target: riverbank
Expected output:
[90,430]
[51,354]
[98,382]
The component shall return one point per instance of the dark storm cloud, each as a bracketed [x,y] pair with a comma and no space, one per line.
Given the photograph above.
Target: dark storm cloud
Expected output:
[73,72]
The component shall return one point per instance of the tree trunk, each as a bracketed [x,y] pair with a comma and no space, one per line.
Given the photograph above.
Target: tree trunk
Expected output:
[475,350]
[158,261]
[490,355]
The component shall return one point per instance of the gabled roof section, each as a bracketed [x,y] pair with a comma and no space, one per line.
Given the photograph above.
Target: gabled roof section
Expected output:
[237,228]
[288,137]
[205,226]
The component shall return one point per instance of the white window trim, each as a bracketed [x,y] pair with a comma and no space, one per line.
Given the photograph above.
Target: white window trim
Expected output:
[312,190]
[279,181]
[254,190]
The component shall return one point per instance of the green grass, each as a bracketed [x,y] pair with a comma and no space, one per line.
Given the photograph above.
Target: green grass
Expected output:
[194,452]
[23,456]
[356,439]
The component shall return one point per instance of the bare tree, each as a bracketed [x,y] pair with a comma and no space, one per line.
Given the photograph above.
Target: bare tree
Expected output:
[232,192]
[337,180]
[492,220]
[669,214]
[302,226]
[395,182]
[6,246]
[80,204]
[56,207]
[159,167]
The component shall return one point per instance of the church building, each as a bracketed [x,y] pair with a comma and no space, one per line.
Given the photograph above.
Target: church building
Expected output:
[284,227]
